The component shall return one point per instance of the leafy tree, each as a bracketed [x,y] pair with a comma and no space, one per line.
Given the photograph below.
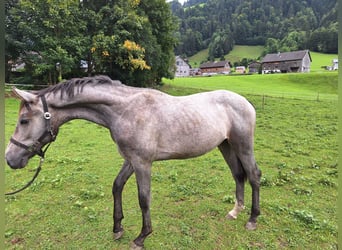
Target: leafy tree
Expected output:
[220,45]
[294,41]
[49,35]
[325,39]
[130,40]
[272,46]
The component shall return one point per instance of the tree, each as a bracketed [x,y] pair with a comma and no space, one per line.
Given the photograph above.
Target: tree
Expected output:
[272,46]
[294,41]
[50,34]
[325,39]
[129,40]
[221,44]
[13,44]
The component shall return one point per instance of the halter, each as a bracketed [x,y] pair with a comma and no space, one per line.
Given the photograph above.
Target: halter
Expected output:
[36,147]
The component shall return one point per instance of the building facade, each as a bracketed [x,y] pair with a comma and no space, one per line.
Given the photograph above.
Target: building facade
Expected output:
[287,62]
[210,68]
[182,67]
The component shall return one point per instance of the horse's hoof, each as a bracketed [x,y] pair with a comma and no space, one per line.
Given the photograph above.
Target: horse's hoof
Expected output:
[230,217]
[136,247]
[251,225]
[118,235]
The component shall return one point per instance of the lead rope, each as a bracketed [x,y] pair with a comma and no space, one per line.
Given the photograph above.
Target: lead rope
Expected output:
[32,180]
[35,174]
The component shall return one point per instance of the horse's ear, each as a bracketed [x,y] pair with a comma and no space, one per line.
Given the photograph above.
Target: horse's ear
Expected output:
[25,95]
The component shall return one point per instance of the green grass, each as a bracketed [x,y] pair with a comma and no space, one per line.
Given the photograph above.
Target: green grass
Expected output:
[197,59]
[320,59]
[237,54]
[311,86]
[243,51]
[70,205]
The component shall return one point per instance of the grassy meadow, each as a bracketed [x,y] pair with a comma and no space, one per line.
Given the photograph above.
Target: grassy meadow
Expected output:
[310,86]
[70,204]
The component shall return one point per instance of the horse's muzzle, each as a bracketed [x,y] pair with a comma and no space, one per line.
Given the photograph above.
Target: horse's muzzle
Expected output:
[16,161]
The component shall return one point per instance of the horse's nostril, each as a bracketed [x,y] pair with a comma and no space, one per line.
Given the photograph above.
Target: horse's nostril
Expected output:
[15,164]
[9,163]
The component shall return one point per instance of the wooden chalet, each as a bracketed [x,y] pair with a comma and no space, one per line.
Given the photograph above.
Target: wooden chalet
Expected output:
[210,68]
[254,67]
[296,61]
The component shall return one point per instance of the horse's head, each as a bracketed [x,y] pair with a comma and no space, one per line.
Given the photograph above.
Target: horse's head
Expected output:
[33,130]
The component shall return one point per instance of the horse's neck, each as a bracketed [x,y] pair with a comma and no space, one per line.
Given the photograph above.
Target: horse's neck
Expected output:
[101,105]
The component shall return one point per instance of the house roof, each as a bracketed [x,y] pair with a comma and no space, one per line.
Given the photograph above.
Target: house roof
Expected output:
[220,64]
[286,56]
[254,64]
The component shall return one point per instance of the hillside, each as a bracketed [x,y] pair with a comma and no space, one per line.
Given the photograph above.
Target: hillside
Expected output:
[235,55]
[278,25]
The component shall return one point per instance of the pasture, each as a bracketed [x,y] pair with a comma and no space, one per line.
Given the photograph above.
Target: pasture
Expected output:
[70,204]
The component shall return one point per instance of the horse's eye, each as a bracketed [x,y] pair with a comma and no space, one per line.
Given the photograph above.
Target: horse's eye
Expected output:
[24,122]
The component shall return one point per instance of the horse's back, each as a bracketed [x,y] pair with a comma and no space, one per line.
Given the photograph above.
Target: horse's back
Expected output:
[160,126]
[192,125]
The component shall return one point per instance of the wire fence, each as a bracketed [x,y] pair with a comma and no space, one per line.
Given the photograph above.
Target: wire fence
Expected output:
[292,95]
[273,94]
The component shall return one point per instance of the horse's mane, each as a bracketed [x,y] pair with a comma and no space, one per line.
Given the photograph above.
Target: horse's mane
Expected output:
[68,87]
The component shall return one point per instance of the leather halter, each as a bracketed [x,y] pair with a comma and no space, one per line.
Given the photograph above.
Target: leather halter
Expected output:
[36,147]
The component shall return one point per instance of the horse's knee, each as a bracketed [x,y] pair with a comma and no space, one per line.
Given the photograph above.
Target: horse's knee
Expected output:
[144,201]
[255,177]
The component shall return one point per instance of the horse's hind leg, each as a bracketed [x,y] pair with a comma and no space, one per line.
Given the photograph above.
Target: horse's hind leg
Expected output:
[246,156]
[125,172]
[239,176]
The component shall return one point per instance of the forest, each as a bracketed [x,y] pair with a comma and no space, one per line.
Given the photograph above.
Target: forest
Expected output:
[279,25]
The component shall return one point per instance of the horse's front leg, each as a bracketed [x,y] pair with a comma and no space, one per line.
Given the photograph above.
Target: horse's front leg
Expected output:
[143,178]
[124,174]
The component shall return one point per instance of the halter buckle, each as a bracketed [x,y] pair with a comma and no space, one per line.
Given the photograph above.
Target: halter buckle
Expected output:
[47,115]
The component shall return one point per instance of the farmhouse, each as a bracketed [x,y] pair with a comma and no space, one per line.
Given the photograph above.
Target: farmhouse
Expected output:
[296,61]
[210,68]
[254,67]
[182,67]
[240,69]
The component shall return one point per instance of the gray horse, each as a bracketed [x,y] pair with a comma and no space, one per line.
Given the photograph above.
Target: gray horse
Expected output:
[147,125]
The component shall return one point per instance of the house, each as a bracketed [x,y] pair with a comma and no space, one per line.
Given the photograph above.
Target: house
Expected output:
[296,61]
[254,67]
[240,69]
[195,72]
[17,66]
[212,68]
[182,67]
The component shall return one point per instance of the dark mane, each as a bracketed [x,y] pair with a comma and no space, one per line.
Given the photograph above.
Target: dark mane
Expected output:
[68,87]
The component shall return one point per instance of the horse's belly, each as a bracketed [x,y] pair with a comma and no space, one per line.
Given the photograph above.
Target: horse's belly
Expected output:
[188,146]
